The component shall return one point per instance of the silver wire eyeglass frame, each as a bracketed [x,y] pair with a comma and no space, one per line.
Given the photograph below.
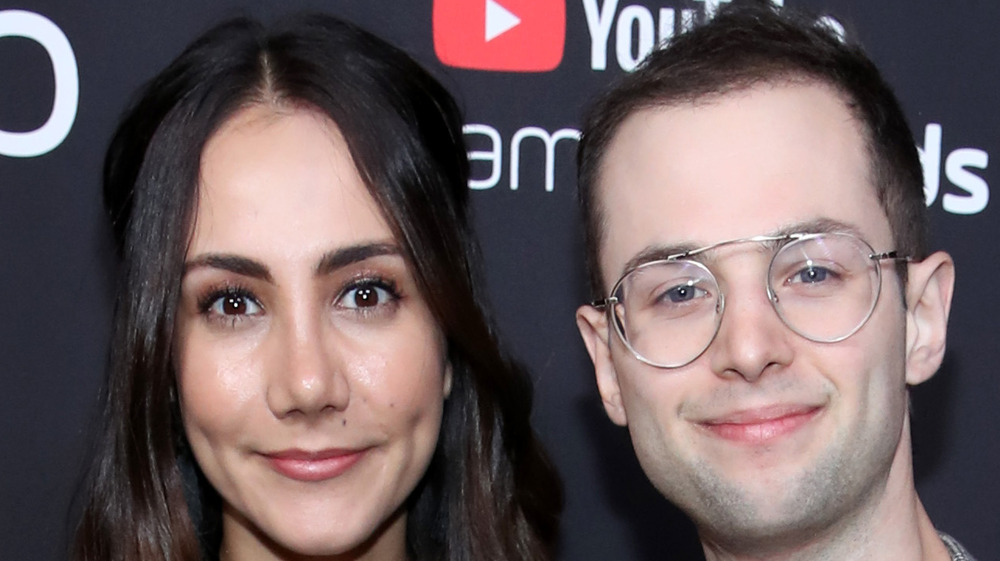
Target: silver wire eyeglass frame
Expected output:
[608,303]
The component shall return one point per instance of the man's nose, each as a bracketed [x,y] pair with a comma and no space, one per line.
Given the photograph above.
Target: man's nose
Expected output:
[752,338]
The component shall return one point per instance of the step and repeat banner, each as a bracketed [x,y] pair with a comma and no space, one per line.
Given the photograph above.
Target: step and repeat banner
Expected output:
[522,70]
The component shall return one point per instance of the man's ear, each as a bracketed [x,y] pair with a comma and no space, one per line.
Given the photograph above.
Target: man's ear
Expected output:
[593,326]
[929,287]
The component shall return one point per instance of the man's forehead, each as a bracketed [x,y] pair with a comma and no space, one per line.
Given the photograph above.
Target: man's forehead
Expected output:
[629,131]
[737,165]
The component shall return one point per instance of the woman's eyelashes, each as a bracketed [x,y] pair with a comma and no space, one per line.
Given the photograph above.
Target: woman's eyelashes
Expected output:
[366,296]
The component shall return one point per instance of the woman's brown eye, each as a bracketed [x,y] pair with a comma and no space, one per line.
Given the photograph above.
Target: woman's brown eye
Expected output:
[367,295]
[234,305]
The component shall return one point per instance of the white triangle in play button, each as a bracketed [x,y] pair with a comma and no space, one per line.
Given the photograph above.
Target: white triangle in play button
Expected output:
[499,20]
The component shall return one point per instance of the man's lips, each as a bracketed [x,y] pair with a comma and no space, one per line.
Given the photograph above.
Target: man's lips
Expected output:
[756,426]
[320,465]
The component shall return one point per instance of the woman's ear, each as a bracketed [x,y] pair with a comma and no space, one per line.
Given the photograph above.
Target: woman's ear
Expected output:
[929,287]
[447,378]
[593,326]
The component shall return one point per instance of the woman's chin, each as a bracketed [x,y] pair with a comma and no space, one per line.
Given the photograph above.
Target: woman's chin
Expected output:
[290,537]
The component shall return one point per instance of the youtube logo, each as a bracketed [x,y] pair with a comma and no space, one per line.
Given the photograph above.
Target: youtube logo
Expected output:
[500,35]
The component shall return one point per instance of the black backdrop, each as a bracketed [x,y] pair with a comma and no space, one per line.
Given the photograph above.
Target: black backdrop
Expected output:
[55,286]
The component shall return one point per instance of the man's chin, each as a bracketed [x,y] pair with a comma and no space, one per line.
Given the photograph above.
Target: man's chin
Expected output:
[764,510]
[769,531]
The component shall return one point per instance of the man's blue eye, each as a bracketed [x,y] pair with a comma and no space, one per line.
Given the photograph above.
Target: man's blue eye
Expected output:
[682,293]
[811,275]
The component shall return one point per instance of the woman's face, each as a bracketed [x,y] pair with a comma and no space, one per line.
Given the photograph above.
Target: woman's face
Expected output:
[311,373]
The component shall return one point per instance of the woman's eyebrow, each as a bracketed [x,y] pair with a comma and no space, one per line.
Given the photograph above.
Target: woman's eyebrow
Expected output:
[243,266]
[345,256]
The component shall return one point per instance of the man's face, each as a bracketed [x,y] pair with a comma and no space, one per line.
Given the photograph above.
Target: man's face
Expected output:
[766,435]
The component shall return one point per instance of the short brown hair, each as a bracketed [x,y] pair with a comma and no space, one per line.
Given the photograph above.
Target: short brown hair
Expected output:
[746,44]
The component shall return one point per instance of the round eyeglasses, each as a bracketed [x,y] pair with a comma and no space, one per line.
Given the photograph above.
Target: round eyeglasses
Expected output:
[824,287]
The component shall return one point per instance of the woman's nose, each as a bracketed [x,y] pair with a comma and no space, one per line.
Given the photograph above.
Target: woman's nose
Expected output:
[306,376]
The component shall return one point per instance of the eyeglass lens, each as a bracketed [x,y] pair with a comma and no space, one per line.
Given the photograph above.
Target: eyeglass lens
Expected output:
[824,287]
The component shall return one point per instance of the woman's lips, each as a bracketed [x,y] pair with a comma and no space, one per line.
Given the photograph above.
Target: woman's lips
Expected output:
[757,426]
[321,465]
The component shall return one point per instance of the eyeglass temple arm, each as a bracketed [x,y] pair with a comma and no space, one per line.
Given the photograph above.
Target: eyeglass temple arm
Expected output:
[894,255]
[604,303]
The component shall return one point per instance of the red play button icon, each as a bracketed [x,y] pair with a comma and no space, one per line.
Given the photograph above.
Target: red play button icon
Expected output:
[502,35]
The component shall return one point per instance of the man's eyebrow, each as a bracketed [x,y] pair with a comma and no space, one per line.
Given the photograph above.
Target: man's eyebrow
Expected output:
[817,226]
[345,256]
[657,253]
[243,266]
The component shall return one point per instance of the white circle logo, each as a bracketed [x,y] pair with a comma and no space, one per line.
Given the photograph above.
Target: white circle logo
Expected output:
[18,23]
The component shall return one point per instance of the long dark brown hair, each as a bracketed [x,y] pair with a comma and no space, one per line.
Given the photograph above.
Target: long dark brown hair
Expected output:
[489,493]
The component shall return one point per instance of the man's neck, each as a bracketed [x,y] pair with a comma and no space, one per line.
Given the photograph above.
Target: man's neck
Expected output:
[893,526]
